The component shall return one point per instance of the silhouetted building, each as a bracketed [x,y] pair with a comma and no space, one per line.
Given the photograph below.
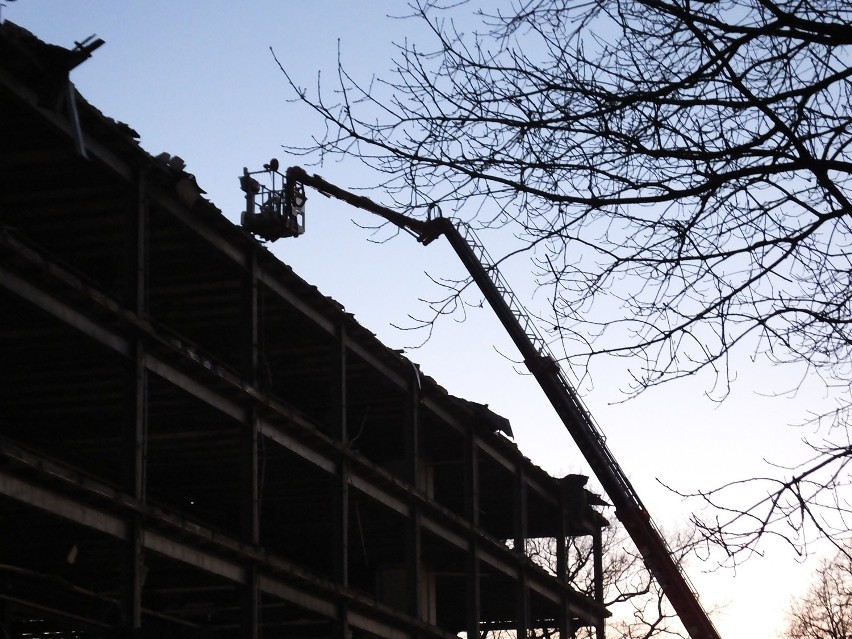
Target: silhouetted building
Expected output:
[196,442]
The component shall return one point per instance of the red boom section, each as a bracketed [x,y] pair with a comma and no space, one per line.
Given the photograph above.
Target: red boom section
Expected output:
[559,391]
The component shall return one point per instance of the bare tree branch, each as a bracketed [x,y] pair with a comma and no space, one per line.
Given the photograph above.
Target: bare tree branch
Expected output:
[678,171]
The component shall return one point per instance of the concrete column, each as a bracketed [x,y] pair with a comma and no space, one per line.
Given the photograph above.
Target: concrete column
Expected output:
[471,476]
[597,549]
[341,496]
[414,540]
[522,588]
[136,429]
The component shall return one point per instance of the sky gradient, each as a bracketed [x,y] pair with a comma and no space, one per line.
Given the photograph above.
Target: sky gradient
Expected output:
[199,80]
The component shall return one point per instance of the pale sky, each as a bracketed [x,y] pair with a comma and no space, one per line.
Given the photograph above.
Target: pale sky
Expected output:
[197,79]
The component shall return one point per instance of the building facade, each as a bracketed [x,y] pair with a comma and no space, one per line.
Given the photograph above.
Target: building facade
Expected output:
[194,441]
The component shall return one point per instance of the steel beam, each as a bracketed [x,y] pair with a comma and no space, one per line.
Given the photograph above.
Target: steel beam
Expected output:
[413,533]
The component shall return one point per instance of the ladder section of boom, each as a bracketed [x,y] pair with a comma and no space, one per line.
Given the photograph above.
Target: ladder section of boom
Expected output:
[551,378]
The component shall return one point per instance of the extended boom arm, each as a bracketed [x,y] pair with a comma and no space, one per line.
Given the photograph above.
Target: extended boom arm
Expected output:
[544,367]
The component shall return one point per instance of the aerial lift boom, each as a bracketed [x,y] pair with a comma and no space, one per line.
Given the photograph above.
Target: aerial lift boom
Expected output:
[629,508]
